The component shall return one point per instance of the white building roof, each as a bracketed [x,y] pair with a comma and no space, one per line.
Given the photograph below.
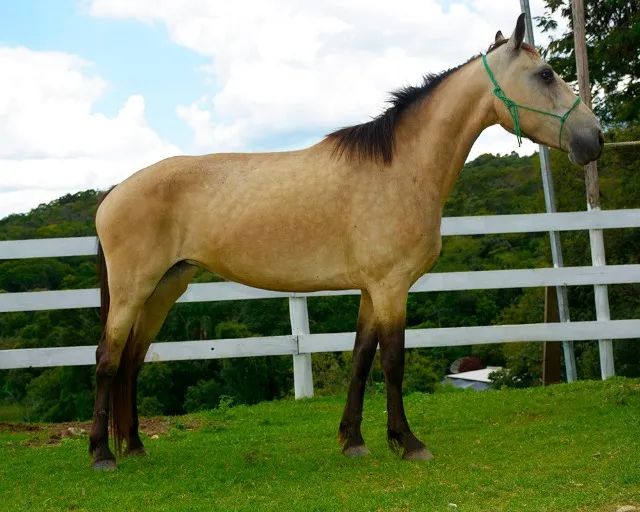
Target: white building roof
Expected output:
[475,375]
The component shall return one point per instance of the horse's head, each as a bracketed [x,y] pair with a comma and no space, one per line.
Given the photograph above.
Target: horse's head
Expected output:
[530,98]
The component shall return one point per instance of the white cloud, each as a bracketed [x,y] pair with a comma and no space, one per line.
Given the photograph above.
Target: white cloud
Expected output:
[51,139]
[284,67]
[281,72]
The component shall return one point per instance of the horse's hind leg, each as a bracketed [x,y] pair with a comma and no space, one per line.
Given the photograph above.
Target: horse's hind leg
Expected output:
[364,351]
[125,306]
[146,328]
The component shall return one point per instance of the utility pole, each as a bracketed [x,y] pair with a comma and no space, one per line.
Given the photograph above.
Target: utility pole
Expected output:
[593,188]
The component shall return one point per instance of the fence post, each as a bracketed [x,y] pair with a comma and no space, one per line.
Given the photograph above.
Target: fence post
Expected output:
[551,357]
[302,372]
[593,189]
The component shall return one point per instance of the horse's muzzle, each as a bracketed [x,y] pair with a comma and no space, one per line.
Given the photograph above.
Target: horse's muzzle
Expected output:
[586,145]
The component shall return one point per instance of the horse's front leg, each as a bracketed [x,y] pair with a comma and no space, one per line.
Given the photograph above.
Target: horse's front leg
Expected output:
[390,303]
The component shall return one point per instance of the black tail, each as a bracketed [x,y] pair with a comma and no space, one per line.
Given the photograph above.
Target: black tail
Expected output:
[120,394]
[105,298]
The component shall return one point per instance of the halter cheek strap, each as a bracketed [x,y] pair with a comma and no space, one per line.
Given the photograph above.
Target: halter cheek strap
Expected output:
[513,107]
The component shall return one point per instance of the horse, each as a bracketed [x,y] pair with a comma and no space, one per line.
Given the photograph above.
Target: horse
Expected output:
[361,209]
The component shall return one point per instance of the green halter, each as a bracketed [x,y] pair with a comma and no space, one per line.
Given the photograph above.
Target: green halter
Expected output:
[512,106]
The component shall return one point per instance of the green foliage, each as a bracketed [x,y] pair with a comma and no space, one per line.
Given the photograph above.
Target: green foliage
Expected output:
[12,412]
[59,394]
[255,379]
[331,372]
[70,215]
[149,406]
[421,374]
[613,39]
[522,360]
[204,395]
[511,378]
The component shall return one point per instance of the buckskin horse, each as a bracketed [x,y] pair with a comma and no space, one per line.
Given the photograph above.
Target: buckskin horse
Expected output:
[361,209]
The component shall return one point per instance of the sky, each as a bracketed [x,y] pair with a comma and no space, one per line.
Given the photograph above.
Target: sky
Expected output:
[93,90]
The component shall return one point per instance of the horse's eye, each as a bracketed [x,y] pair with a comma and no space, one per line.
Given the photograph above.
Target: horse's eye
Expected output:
[547,75]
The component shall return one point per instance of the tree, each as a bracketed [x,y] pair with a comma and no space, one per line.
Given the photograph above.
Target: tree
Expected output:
[613,48]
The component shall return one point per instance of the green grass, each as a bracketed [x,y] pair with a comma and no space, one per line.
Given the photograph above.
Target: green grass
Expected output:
[562,448]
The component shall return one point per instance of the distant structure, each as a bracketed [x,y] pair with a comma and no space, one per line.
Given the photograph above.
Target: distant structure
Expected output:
[475,379]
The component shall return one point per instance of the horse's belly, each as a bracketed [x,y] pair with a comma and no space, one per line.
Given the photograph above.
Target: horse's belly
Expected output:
[288,275]
[277,259]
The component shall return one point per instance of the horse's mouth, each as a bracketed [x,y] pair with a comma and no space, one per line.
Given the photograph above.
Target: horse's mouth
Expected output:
[586,146]
[577,160]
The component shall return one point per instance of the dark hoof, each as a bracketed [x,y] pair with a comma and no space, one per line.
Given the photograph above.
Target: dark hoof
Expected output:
[421,454]
[355,451]
[136,452]
[104,465]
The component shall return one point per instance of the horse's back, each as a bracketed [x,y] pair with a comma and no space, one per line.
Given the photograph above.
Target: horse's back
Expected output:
[267,219]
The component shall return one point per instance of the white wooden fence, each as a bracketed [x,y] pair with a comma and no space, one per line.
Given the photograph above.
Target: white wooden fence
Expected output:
[301,343]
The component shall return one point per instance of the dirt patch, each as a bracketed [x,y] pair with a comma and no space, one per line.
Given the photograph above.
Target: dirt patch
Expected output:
[48,433]
[156,426]
[19,427]
[54,433]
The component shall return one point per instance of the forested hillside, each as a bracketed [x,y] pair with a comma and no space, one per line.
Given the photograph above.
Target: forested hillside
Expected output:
[488,185]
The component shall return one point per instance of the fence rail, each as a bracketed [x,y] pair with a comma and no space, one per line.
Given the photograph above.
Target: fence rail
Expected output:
[475,225]
[622,144]
[436,282]
[305,344]
[301,343]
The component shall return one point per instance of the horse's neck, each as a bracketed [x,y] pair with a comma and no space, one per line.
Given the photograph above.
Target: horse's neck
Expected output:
[437,137]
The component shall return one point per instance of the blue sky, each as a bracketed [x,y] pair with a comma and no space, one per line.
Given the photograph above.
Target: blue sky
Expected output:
[135,57]
[93,90]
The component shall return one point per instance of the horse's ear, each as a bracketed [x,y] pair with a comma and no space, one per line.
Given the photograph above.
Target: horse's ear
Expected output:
[518,34]
[499,36]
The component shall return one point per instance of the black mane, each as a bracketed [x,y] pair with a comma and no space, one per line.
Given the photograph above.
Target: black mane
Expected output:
[375,140]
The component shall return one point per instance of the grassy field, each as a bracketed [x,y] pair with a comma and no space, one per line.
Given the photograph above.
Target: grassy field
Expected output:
[561,448]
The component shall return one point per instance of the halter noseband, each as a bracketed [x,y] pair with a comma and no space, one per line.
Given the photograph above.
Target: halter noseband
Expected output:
[512,106]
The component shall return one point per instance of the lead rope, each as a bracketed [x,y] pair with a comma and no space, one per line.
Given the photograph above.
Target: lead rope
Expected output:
[513,107]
